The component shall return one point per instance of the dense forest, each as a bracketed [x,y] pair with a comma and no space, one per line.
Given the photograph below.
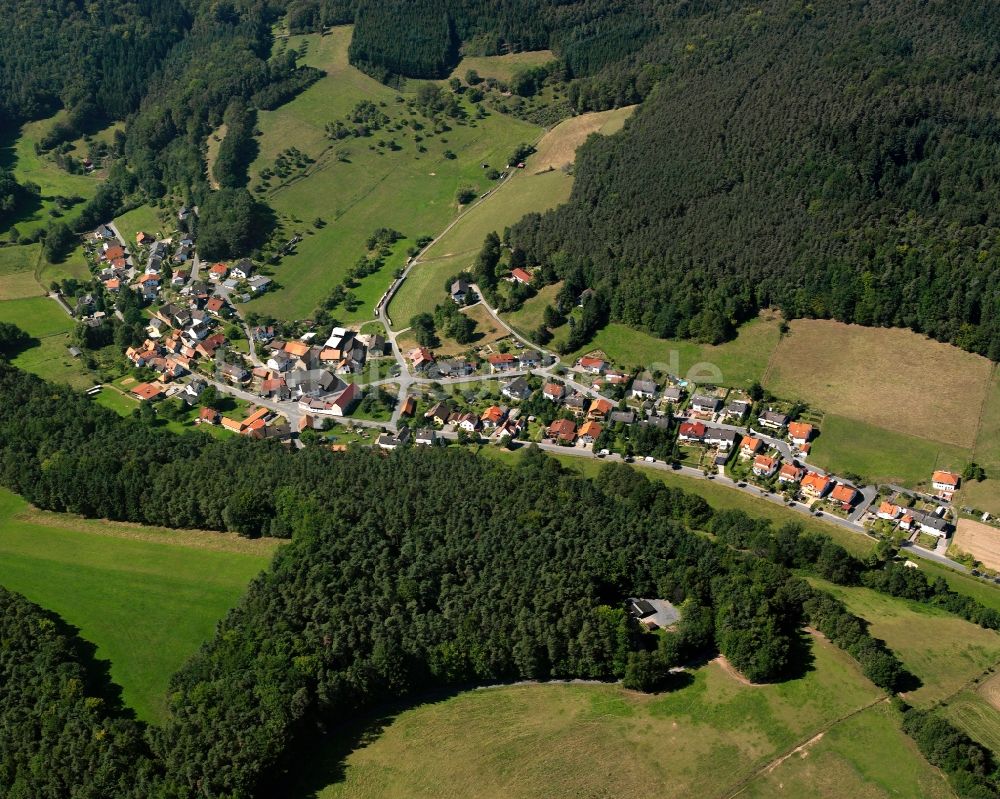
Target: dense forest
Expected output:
[421,569]
[840,161]
[65,733]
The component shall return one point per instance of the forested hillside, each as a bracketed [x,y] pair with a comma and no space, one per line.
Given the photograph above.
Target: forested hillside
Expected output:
[838,160]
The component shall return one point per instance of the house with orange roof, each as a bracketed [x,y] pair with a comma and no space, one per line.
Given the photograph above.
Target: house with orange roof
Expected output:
[750,446]
[844,494]
[554,392]
[492,416]
[800,433]
[232,425]
[593,365]
[207,416]
[148,391]
[590,432]
[562,430]
[218,272]
[420,357]
[888,510]
[299,349]
[816,485]
[945,483]
[409,407]
[142,238]
[113,252]
[691,431]
[764,465]
[790,473]
[522,276]
[501,362]
[599,409]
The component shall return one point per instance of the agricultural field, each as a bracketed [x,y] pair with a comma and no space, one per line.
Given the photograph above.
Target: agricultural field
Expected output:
[944,651]
[146,597]
[17,152]
[982,541]
[735,363]
[977,711]
[876,453]
[44,320]
[866,374]
[980,590]
[502,67]
[358,184]
[559,740]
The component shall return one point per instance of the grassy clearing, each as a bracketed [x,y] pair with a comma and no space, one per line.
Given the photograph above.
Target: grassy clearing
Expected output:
[18,153]
[373,187]
[423,289]
[44,320]
[146,219]
[866,757]
[841,369]
[592,740]
[715,494]
[529,317]
[146,597]
[849,445]
[558,147]
[17,272]
[502,67]
[735,363]
[944,651]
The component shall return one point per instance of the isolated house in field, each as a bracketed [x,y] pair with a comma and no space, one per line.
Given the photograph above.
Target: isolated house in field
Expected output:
[460,290]
[945,483]
[522,276]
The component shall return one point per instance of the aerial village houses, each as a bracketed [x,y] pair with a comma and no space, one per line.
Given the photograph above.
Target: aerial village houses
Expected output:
[764,465]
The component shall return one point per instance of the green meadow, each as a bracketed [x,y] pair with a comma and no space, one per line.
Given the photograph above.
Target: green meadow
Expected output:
[146,597]
[356,185]
[50,326]
[710,738]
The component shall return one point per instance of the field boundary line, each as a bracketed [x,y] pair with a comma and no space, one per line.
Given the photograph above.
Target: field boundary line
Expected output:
[982,410]
[735,790]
